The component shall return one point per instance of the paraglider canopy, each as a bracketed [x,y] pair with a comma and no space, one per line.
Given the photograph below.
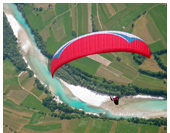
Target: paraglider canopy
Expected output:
[98,42]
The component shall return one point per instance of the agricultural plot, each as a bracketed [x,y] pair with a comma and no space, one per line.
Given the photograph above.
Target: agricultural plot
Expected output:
[31,102]
[159,16]
[17,96]
[9,70]
[72,125]
[14,121]
[83,62]
[161,130]
[140,29]
[43,127]
[153,30]
[118,6]
[127,58]
[84,18]
[34,18]
[36,91]
[148,129]
[164,58]
[127,71]
[151,65]
[145,81]
[11,105]
[10,84]
[99,59]
[82,125]
[74,16]
[126,16]
[36,118]
[126,127]
[42,96]
[61,8]
[45,34]
[52,120]
[108,56]
[48,16]
[112,74]
[156,46]
[100,126]
[26,81]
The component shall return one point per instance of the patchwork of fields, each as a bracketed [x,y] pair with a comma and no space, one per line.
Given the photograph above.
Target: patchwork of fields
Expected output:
[60,20]
[21,111]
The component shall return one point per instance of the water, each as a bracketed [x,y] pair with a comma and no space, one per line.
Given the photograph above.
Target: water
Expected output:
[37,62]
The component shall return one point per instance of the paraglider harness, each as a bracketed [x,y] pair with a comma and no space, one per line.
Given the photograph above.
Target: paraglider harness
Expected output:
[115,99]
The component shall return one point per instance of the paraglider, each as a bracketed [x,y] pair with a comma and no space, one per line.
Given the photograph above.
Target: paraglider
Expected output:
[115,99]
[98,42]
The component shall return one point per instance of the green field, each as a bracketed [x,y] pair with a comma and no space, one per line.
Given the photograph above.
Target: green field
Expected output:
[36,117]
[10,84]
[9,70]
[86,64]
[36,91]
[32,102]
[159,16]
[156,46]
[82,125]
[10,104]
[61,8]
[34,18]
[100,126]
[127,127]
[149,129]
[145,81]
[127,71]
[108,56]
[43,127]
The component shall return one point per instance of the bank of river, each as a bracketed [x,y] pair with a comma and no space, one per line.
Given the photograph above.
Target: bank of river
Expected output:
[90,102]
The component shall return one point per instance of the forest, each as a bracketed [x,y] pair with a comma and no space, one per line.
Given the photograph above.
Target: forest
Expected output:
[10,48]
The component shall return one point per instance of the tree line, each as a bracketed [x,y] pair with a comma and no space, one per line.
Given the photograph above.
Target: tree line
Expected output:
[155,121]
[76,76]
[160,52]
[160,62]
[53,105]
[139,59]
[160,75]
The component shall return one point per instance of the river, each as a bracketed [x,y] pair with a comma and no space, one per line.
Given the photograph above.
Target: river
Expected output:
[38,63]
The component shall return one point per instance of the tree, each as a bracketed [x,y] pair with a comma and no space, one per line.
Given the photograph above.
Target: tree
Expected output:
[118,59]
[132,25]
[40,9]
[30,72]
[73,33]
